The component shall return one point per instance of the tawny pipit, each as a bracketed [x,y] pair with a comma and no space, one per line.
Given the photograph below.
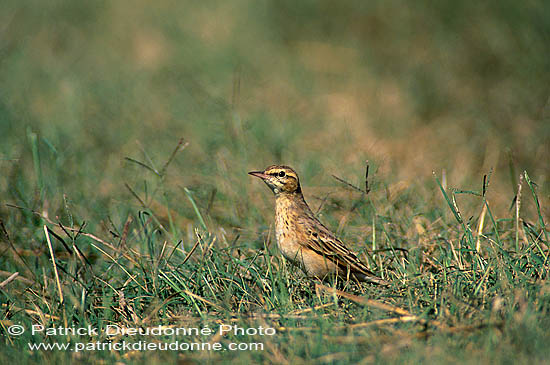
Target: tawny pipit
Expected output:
[301,238]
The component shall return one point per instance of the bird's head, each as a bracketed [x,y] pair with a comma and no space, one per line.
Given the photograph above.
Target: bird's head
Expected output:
[280,178]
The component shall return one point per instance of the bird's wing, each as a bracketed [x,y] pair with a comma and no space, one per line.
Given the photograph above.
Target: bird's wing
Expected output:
[321,240]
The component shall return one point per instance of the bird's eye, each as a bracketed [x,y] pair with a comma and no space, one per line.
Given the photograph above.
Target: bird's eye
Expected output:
[281,174]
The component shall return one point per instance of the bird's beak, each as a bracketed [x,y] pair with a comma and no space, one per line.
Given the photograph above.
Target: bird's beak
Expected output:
[259,174]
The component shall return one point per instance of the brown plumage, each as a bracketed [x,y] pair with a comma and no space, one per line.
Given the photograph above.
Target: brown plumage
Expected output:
[302,238]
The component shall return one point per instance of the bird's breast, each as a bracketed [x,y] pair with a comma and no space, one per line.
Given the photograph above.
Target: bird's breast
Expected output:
[285,231]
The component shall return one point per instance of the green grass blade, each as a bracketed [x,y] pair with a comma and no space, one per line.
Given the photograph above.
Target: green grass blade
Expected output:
[195,208]
[536,199]
[449,202]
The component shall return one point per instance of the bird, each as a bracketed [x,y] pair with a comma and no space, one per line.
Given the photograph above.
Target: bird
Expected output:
[302,238]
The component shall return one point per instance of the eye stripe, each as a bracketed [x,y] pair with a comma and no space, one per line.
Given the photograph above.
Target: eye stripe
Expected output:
[277,173]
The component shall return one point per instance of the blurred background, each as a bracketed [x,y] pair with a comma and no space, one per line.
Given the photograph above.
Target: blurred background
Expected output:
[455,88]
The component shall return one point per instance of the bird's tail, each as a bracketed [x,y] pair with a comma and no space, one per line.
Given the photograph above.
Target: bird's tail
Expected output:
[370,279]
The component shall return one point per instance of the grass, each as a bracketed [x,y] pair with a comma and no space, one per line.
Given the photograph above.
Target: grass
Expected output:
[460,293]
[125,199]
